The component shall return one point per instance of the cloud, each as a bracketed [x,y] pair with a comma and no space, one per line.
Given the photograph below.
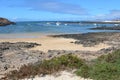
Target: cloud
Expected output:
[54,6]
[112,14]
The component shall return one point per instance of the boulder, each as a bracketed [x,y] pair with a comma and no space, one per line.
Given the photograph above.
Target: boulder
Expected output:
[4,22]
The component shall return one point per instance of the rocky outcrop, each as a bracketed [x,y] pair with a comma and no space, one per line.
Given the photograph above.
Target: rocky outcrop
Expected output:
[92,39]
[4,22]
[13,55]
[106,28]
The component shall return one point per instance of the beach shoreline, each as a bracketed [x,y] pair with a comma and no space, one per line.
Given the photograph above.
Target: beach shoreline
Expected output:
[51,46]
[51,43]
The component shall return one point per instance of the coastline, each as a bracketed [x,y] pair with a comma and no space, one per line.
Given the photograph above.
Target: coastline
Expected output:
[28,35]
[52,43]
[22,35]
[56,45]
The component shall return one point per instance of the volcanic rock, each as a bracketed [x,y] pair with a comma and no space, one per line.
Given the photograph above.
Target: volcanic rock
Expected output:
[5,22]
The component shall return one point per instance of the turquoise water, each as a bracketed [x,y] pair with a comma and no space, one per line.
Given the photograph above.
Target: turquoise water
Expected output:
[51,28]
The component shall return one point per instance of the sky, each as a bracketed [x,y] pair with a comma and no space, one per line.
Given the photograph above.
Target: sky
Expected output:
[55,10]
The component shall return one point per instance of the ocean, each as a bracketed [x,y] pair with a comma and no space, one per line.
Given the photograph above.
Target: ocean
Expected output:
[48,28]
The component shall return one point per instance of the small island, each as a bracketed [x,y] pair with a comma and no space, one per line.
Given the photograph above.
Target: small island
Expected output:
[5,22]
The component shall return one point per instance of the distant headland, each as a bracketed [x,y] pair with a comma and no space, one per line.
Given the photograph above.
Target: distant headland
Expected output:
[4,22]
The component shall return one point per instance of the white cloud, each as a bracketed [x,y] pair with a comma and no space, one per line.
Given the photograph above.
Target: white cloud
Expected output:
[54,6]
[113,14]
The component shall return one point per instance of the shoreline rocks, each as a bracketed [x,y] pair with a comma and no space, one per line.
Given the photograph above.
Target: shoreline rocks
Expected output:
[13,59]
[92,39]
[106,28]
[13,55]
[5,22]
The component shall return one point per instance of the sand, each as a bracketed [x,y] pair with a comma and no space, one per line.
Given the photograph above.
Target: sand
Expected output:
[50,43]
[64,75]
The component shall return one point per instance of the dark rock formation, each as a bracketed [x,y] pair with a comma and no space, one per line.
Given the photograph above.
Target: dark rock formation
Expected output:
[92,39]
[106,28]
[13,55]
[7,46]
[4,22]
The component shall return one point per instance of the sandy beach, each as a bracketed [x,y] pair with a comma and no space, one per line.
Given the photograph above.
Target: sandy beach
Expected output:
[59,40]
[63,75]
[19,51]
[51,43]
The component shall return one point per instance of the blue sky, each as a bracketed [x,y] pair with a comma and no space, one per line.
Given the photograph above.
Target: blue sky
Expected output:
[22,10]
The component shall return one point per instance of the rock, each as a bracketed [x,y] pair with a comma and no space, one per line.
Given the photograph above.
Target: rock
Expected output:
[6,46]
[4,22]
[108,50]
[106,28]
[14,55]
[6,66]
[92,39]
[89,42]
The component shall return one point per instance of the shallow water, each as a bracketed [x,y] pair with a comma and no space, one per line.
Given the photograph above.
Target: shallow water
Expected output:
[23,29]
